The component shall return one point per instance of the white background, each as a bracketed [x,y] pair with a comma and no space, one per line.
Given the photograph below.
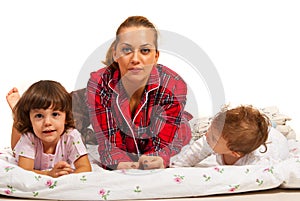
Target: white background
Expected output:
[254,45]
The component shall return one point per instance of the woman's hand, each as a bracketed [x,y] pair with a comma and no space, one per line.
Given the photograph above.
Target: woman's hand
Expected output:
[151,162]
[60,168]
[128,165]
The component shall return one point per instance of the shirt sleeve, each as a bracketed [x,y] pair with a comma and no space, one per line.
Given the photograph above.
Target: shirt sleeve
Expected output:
[171,123]
[75,145]
[277,150]
[192,154]
[102,121]
[26,146]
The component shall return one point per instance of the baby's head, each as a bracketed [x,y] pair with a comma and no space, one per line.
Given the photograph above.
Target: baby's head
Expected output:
[238,131]
[43,94]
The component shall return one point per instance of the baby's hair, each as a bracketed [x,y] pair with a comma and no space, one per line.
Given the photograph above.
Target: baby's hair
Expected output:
[43,94]
[244,128]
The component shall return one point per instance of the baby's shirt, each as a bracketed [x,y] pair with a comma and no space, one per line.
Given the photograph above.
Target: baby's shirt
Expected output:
[69,148]
[277,150]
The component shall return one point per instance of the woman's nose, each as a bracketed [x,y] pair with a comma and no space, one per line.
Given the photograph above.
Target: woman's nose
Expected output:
[135,57]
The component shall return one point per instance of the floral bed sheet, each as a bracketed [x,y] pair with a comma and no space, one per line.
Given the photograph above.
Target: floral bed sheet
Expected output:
[141,184]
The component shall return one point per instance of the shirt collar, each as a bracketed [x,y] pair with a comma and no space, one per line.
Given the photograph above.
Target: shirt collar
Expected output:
[153,82]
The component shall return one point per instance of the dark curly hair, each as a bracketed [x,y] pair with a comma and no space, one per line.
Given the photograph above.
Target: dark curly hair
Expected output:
[42,95]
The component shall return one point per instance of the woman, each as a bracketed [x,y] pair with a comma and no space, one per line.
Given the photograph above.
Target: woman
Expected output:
[136,105]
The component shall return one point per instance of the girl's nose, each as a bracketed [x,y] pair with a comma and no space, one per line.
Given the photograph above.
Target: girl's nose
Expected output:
[47,121]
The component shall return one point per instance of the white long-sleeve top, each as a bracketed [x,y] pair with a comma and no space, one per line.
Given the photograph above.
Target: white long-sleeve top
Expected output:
[277,150]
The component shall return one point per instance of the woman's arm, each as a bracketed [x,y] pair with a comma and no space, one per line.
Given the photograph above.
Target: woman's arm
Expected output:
[171,123]
[103,123]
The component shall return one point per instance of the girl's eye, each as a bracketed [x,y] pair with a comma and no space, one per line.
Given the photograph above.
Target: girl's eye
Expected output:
[38,116]
[55,114]
[126,50]
[145,50]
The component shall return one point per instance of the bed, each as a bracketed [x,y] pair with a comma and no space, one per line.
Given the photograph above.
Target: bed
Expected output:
[207,180]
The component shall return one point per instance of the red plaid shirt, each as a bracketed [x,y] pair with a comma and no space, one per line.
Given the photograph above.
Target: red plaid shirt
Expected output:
[159,126]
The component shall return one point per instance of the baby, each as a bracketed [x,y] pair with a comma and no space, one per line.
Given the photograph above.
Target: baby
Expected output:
[239,136]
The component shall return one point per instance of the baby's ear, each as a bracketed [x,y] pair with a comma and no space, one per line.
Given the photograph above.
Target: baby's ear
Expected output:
[236,154]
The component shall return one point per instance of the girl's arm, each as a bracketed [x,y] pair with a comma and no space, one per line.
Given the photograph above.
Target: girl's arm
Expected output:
[61,168]
[15,137]
[82,164]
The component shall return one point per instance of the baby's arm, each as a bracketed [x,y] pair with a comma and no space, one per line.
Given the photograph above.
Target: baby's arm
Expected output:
[192,154]
[12,98]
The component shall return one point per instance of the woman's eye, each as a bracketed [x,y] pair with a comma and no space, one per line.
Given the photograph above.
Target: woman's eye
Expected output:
[126,50]
[145,50]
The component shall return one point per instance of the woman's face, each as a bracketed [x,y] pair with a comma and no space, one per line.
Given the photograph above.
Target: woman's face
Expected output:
[136,54]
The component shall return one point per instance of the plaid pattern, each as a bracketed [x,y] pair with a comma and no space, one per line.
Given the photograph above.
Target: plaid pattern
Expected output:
[159,126]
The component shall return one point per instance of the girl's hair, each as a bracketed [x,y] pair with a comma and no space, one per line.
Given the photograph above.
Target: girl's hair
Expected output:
[244,128]
[132,21]
[43,94]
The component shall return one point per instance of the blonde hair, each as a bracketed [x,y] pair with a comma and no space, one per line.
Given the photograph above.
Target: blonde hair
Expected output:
[132,21]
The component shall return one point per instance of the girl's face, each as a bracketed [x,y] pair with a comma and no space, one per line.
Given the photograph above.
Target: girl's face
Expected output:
[136,54]
[48,125]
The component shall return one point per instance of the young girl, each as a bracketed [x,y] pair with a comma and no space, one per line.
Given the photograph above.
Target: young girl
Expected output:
[49,143]
[239,136]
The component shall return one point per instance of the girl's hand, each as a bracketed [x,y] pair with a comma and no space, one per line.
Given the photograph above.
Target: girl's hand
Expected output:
[151,162]
[61,168]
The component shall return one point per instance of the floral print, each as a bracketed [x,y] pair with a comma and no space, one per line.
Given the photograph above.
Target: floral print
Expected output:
[178,178]
[104,194]
[51,184]
[233,188]
[179,182]
[10,190]
[137,189]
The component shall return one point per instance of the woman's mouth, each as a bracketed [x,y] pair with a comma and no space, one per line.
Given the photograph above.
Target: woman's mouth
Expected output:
[135,70]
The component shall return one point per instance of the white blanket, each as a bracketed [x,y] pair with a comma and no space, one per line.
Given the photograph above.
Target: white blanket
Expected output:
[141,184]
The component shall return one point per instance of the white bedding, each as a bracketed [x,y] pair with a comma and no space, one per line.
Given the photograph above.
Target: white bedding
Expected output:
[140,184]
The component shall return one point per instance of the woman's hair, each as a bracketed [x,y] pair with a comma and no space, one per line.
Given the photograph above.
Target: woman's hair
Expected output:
[43,94]
[132,21]
[244,128]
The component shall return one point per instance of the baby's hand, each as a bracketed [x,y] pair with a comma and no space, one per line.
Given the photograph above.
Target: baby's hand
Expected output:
[151,162]
[61,168]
